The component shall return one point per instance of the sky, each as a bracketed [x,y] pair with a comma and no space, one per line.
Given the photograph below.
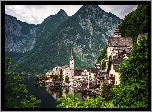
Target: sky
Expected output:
[35,14]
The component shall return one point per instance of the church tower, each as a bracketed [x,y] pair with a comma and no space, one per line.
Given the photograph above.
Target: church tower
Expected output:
[71,64]
[71,60]
[117,32]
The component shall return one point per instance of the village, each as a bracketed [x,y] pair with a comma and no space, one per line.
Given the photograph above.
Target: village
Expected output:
[89,79]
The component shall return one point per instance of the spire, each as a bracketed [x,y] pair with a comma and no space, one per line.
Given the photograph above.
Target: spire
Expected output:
[71,51]
[117,32]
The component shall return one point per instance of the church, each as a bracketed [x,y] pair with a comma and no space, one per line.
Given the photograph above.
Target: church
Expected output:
[67,70]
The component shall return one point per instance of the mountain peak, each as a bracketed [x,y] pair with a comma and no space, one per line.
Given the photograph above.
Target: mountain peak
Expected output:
[62,13]
[91,7]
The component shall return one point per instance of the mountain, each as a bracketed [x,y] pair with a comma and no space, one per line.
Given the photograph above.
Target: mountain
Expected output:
[87,31]
[49,25]
[21,37]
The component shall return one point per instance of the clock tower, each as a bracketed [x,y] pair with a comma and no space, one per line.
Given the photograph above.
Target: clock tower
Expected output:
[71,64]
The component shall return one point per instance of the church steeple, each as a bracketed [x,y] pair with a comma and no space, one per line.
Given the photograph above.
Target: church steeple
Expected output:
[117,32]
[71,56]
[71,60]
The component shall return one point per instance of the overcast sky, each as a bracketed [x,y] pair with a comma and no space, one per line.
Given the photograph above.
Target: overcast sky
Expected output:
[35,14]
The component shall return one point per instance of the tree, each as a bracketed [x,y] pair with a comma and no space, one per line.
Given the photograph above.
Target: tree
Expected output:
[135,23]
[76,68]
[61,77]
[133,91]
[103,65]
[66,79]
[103,55]
[54,78]
[15,91]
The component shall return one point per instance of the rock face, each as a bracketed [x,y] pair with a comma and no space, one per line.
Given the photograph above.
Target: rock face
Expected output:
[49,43]
[19,36]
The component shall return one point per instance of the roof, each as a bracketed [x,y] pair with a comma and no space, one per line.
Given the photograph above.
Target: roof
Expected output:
[116,64]
[116,30]
[103,71]
[116,61]
[120,41]
[115,67]
[92,70]
[78,72]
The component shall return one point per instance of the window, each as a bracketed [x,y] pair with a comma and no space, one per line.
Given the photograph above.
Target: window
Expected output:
[111,75]
[116,82]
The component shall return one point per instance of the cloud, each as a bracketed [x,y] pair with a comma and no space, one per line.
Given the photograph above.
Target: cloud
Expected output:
[119,10]
[35,14]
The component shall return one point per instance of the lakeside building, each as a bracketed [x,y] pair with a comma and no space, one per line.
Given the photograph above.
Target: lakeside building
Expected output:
[118,49]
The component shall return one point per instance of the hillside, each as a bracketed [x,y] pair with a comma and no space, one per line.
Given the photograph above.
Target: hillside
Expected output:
[87,31]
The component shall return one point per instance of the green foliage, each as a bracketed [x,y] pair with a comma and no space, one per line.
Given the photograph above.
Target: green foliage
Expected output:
[104,89]
[103,55]
[15,91]
[94,86]
[76,68]
[114,91]
[66,79]
[70,101]
[61,75]
[103,65]
[135,23]
[56,78]
[30,103]
[42,77]
[134,77]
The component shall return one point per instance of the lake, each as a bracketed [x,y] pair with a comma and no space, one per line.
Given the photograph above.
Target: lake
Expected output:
[47,95]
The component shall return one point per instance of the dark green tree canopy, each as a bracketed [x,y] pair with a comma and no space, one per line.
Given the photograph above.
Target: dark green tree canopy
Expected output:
[135,23]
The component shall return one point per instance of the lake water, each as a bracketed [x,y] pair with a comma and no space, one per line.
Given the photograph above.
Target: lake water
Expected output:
[47,95]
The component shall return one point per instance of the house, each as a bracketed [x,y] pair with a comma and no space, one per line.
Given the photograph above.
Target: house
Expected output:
[118,49]
[97,66]
[114,75]
[78,75]
[117,44]
[57,68]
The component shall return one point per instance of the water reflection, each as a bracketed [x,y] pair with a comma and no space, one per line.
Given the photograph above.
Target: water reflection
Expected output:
[49,95]
[58,92]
